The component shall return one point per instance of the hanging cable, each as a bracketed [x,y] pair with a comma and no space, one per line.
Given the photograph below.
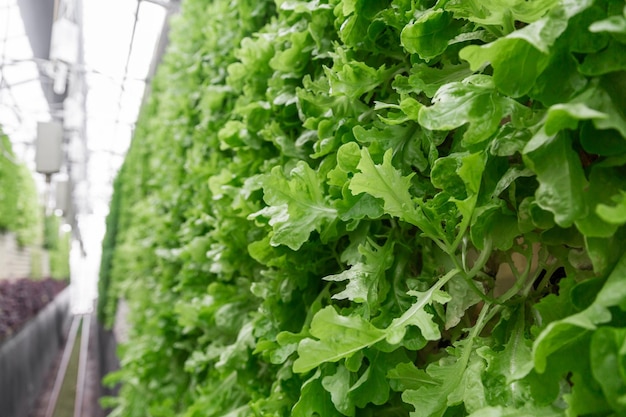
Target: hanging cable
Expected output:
[130,51]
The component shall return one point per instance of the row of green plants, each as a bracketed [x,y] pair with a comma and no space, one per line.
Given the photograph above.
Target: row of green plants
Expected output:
[391,208]
[58,243]
[22,213]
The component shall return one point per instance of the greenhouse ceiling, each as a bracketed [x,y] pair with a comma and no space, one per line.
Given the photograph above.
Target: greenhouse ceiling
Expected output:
[84,64]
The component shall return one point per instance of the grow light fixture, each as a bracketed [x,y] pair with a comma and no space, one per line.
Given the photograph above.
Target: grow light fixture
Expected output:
[63,201]
[49,155]
[64,43]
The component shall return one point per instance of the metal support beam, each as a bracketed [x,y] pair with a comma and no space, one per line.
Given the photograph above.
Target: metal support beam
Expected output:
[164,3]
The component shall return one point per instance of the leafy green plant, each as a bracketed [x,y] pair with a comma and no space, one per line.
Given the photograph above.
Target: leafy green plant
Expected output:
[8,167]
[60,256]
[393,208]
[106,257]
[29,224]
[52,224]
[20,211]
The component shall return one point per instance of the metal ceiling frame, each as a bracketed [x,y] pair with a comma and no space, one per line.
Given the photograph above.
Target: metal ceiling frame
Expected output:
[78,81]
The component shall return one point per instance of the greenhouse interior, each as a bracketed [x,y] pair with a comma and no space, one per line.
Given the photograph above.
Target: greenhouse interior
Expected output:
[323,208]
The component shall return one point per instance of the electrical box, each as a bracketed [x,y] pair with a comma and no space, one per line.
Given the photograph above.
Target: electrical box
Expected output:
[49,150]
[64,41]
[63,195]
[72,113]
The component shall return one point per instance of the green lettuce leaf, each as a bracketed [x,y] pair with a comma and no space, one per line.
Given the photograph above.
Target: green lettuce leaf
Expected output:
[314,400]
[387,183]
[366,281]
[430,34]
[518,412]
[614,214]
[605,184]
[296,206]
[608,365]
[340,337]
[473,101]
[498,12]
[561,178]
[562,333]
[520,57]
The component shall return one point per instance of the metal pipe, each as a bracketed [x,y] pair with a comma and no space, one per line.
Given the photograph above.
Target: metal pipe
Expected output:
[130,51]
[56,10]
[82,367]
[163,3]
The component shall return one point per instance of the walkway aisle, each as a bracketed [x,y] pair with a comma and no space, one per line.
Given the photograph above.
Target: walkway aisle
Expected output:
[78,390]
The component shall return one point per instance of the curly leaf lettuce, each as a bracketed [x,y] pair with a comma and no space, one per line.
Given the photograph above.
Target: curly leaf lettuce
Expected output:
[296,206]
